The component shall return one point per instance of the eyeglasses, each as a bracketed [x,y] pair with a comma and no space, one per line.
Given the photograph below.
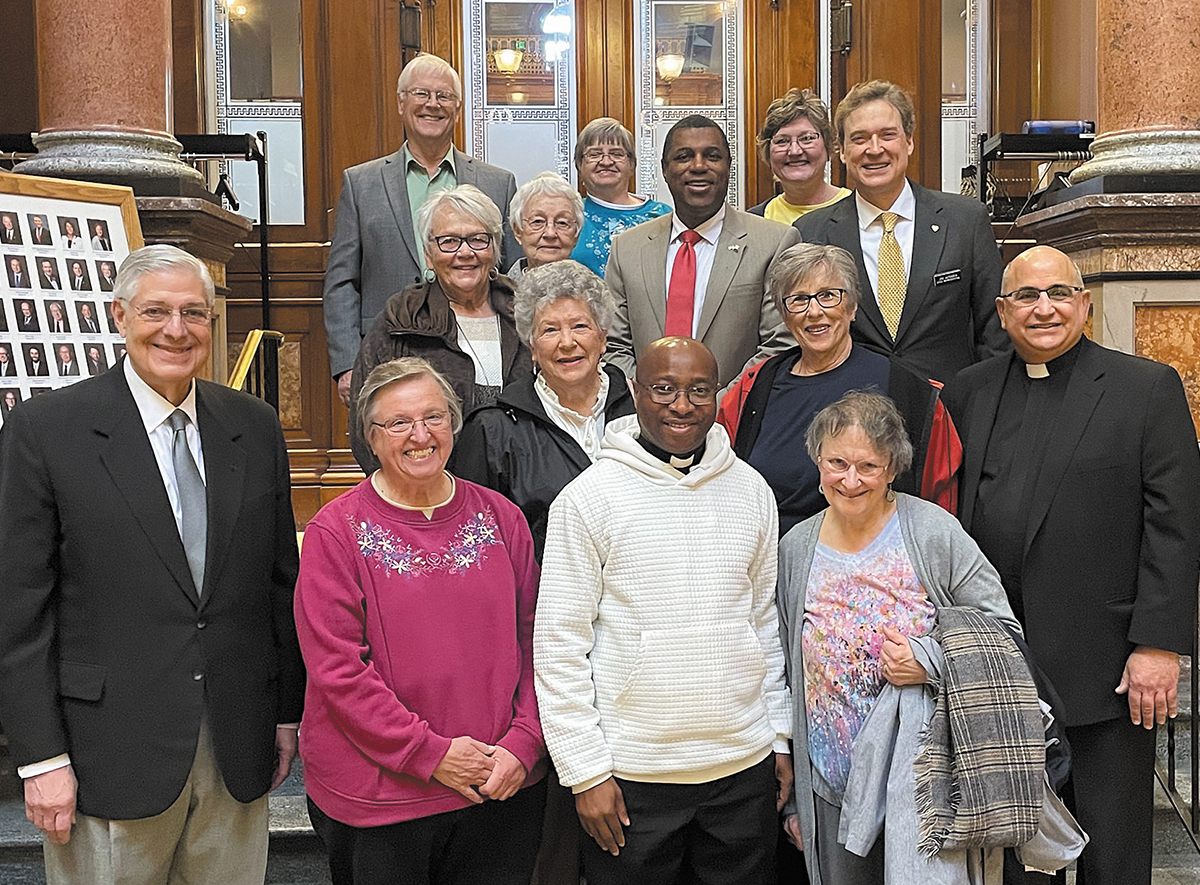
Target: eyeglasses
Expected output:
[423,96]
[805,139]
[595,155]
[1028,295]
[800,302]
[404,426]
[865,469]
[666,394]
[160,314]
[537,225]
[452,243]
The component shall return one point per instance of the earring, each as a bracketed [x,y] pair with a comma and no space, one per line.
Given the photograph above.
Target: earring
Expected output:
[821,491]
[889,495]
[493,273]
[430,276]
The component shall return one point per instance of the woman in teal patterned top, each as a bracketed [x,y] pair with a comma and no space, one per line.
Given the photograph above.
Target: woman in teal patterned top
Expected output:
[606,162]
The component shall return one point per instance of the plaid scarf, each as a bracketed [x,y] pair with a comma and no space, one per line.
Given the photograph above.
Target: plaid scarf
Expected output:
[980,772]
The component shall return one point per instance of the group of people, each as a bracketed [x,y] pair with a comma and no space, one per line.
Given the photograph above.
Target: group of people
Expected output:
[685,532]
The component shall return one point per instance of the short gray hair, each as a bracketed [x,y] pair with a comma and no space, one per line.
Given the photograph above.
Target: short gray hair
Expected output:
[799,262]
[397,371]
[540,287]
[160,258]
[426,63]
[872,413]
[469,200]
[547,184]
[605,130]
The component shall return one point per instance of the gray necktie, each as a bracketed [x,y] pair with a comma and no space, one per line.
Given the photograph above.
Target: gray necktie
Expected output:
[193,498]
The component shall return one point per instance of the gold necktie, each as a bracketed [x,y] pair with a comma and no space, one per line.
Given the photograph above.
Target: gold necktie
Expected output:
[891,274]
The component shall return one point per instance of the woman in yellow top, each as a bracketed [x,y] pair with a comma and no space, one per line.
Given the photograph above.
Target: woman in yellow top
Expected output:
[794,141]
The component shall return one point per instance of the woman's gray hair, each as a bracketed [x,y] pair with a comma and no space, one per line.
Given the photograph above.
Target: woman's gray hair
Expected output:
[547,184]
[875,415]
[540,287]
[397,371]
[801,261]
[160,258]
[605,130]
[469,200]
[428,63]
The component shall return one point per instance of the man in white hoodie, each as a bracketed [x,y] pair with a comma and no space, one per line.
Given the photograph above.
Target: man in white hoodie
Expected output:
[656,646]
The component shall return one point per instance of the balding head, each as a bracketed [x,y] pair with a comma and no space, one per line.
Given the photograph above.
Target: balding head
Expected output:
[687,366]
[1044,329]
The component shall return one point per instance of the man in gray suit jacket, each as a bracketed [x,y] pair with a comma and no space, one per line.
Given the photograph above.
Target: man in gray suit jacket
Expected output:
[715,294]
[375,253]
[945,310]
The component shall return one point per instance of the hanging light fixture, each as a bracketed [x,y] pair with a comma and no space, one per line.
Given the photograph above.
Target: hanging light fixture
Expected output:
[508,61]
[670,66]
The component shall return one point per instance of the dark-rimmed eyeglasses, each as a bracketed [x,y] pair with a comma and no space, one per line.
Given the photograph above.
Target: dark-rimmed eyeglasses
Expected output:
[666,394]
[800,301]
[1028,295]
[404,426]
[452,243]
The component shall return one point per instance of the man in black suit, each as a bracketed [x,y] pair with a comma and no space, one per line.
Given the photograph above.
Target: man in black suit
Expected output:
[56,317]
[107,276]
[10,234]
[79,277]
[95,359]
[1079,480]
[27,320]
[48,274]
[150,677]
[8,366]
[34,362]
[927,261]
[87,319]
[39,234]
[18,277]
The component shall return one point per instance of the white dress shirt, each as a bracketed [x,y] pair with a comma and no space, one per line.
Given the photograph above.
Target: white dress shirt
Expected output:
[587,430]
[870,232]
[706,253]
[154,411]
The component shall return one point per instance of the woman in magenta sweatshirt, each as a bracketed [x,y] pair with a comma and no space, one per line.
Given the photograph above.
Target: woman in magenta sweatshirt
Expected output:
[423,754]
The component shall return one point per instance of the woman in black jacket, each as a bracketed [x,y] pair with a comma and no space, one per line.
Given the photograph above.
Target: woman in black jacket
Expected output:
[544,430]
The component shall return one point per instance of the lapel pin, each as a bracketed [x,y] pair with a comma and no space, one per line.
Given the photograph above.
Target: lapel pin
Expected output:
[934,228]
[735,248]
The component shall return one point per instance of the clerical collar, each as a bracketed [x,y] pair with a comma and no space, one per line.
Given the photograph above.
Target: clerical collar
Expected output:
[682,463]
[1062,363]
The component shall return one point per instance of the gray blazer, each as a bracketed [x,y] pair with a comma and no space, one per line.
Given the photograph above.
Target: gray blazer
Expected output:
[739,322]
[374,253]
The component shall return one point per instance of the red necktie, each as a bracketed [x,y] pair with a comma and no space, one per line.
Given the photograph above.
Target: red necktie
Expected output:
[681,293]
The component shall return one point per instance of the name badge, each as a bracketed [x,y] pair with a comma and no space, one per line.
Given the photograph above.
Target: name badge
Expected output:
[947,276]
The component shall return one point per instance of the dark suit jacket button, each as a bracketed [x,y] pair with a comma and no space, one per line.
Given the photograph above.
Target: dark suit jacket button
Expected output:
[200,625]
[197,676]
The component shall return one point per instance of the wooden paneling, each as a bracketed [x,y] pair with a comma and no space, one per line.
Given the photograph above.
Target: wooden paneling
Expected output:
[604,61]
[901,41]
[19,97]
[187,66]
[781,52]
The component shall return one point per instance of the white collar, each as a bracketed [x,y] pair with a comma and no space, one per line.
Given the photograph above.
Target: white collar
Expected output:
[709,230]
[550,399]
[905,206]
[152,405]
[641,198]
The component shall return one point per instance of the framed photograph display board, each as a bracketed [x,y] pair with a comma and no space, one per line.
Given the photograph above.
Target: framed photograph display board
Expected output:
[61,243]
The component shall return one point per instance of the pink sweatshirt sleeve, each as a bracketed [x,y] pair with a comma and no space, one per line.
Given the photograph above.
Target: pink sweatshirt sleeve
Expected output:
[524,737]
[331,626]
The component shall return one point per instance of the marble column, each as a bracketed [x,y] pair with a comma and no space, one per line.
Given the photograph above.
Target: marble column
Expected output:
[1149,101]
[104,93]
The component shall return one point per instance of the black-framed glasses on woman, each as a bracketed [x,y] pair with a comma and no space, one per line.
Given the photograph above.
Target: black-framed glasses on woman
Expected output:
[666,394]
[799,302]
[452,243]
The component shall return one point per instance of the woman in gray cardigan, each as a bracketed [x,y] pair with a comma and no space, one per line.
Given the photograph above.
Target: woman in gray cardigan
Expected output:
[856,582]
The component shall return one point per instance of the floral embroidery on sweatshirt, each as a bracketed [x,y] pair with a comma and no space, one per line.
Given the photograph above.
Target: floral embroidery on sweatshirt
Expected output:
[465,549]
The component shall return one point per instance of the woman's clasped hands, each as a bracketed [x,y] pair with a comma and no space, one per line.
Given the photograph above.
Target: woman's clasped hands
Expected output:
[480,771]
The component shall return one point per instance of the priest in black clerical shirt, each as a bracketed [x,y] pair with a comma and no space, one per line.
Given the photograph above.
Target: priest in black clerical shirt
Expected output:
[1079,478]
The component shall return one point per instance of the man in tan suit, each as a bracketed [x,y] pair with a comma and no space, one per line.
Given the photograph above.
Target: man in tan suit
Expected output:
[698,271]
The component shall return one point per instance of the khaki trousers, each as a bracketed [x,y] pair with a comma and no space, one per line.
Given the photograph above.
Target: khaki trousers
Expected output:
[206,837]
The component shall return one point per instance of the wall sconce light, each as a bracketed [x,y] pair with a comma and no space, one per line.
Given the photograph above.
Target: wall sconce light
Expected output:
[670,66]
[508,61]
[235,9]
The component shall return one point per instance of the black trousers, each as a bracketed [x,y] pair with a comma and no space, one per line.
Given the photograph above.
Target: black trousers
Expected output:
[496,843]
[1111,794]
[718,833]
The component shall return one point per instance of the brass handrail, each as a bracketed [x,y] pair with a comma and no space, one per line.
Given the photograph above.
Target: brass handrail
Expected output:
[241,370]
